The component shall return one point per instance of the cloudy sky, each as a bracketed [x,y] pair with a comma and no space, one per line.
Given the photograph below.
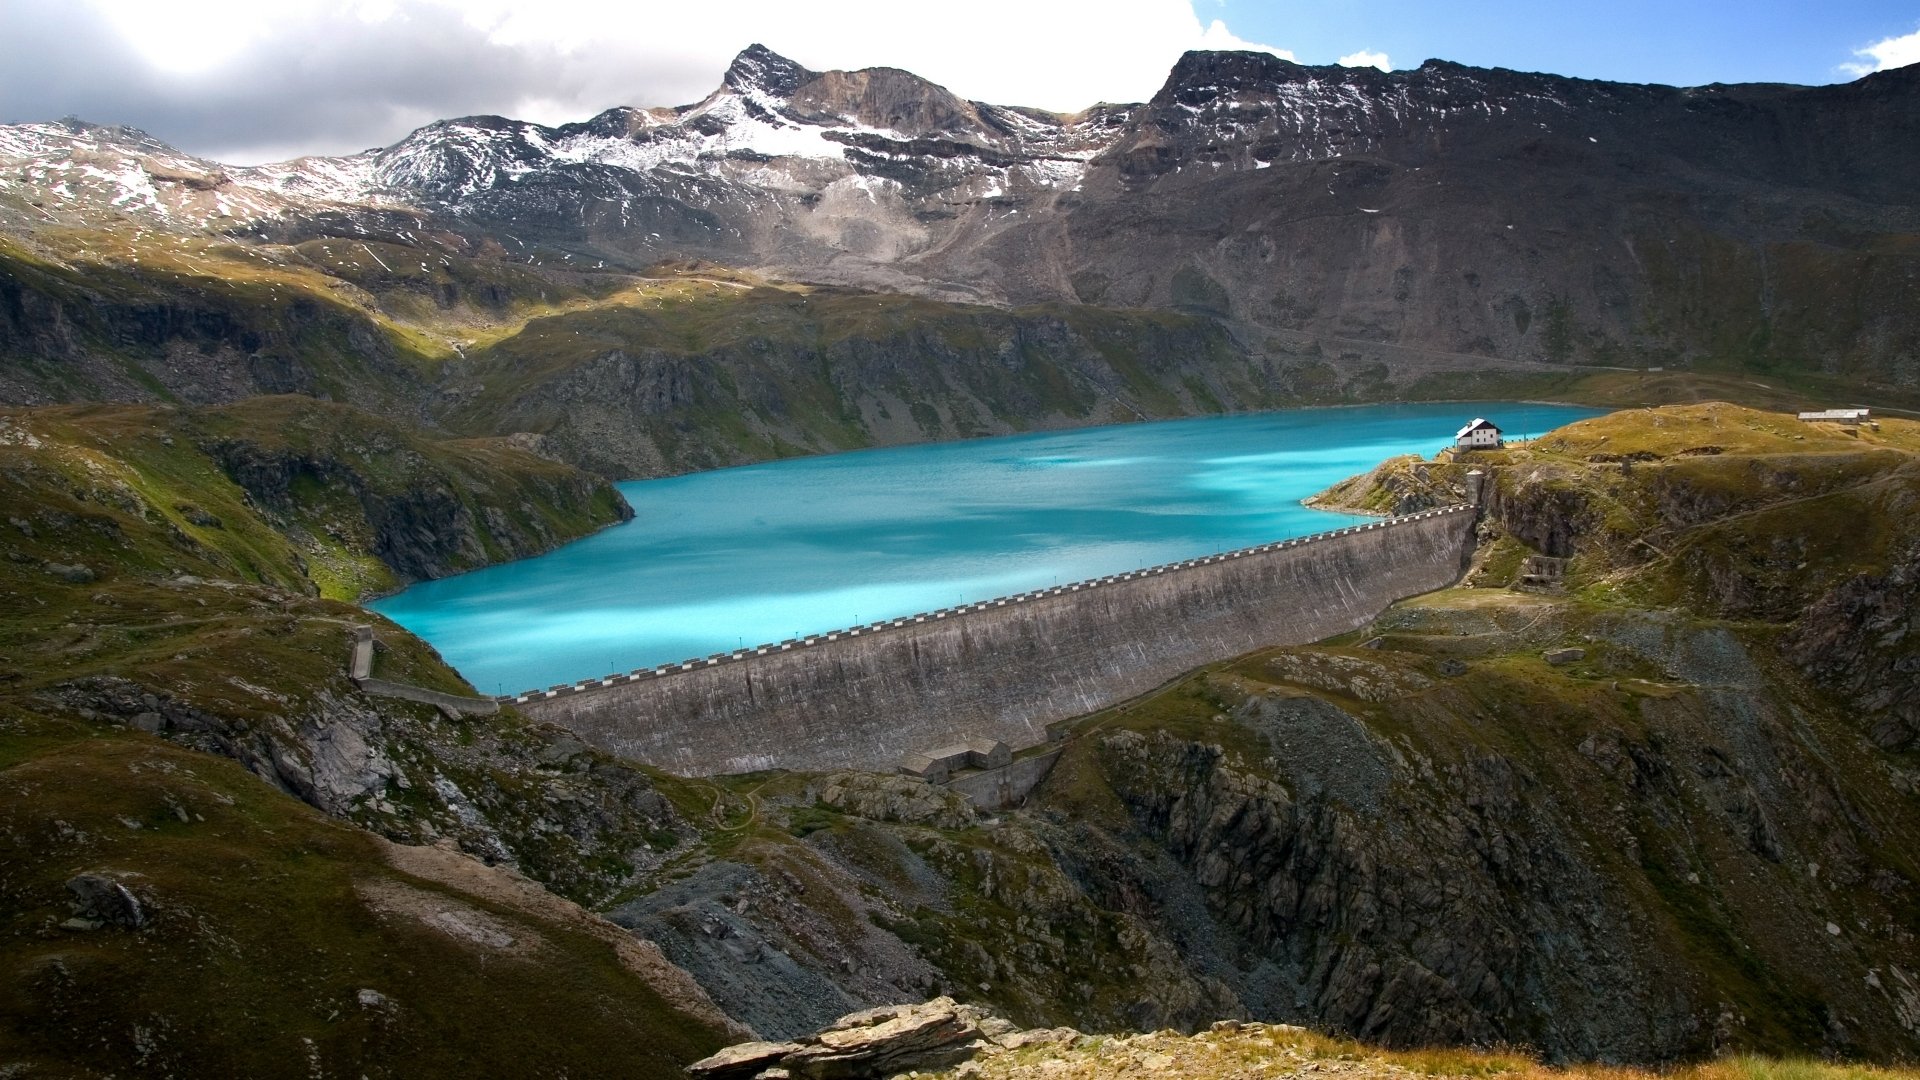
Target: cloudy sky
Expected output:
[256,80]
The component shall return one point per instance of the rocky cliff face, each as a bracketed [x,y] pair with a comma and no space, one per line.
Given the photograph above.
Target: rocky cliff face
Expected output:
[1649,853]
[828,369]
[1859,638]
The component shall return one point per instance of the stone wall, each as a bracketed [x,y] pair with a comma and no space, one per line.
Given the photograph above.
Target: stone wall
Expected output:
[866,698]
[451,703]
[1008,785]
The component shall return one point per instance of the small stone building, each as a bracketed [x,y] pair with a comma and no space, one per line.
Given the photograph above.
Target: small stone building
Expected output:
[1838,416]
[1482,434]
[936,766]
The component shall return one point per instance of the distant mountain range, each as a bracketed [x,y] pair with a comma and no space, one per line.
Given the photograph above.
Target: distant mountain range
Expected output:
[1316,211]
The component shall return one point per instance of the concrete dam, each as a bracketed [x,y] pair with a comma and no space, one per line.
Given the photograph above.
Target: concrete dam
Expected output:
[871,696]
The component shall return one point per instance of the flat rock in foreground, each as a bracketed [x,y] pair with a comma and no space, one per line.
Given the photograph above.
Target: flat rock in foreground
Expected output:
[871,1043]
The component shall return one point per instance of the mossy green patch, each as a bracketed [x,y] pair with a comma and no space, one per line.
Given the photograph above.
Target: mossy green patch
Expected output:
[279,941]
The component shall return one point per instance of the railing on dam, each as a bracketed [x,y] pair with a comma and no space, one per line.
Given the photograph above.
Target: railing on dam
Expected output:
[700,663]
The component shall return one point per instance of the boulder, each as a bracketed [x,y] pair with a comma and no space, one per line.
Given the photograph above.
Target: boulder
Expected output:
[888,1040]
[742,1060]
[102,901]
[908,800]
[1560,657]
[871,1043]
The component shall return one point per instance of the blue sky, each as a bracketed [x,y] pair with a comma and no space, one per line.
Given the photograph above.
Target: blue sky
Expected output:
[1680,42]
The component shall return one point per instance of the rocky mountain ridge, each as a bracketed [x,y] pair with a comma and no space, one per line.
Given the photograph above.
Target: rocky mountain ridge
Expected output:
[1446,209]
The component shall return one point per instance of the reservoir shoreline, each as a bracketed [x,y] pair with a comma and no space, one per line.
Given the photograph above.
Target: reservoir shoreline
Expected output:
[721,560]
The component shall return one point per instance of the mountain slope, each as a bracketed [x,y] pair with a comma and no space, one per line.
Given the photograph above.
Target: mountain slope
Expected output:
[222,856]
[1689,834]
[1691,838]
[1333,213]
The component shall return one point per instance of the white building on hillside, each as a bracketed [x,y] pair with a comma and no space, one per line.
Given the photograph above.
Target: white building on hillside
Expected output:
[1838,416]
[1482,434]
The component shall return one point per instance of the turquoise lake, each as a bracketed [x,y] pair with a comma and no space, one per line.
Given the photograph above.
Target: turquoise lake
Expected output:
[740,557]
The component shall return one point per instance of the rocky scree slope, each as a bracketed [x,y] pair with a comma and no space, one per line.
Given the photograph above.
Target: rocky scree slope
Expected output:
[1338,212]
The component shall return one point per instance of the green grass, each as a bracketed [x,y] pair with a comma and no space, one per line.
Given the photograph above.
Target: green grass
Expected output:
[1262,1050]
[264,935]
[190,571]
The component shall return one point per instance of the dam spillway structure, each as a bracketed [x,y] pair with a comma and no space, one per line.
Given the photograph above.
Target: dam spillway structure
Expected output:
[869,697]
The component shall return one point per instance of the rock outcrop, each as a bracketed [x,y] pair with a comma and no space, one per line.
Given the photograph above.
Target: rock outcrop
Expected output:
[102,900]
[873,1043]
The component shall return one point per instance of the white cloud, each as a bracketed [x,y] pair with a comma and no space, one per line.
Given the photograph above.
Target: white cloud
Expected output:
[1364,58]
[1891,53]
[244,80]
[1219,38]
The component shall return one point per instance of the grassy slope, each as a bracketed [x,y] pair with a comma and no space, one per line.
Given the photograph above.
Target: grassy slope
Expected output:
[269,918]
[269,921]
[1259,1050]
[156,491]
[129,299]
[729,368]
[1719,508]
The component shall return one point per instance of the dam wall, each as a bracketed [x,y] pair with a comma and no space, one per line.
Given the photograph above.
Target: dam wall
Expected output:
[1004,669]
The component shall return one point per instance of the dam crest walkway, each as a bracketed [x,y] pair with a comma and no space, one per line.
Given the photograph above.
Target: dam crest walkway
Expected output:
[962,611]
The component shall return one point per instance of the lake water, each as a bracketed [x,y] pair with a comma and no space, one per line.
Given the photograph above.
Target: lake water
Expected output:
[741,557]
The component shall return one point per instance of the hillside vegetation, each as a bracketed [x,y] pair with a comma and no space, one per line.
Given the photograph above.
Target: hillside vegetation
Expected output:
[1642,818]
[258,937]
[688,365]
[1692,837]
[1234,1051]
[174,635]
